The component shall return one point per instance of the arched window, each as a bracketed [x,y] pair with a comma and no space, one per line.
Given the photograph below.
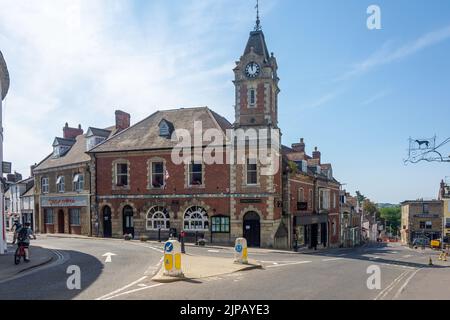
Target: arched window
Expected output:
[196,218]
[158,218]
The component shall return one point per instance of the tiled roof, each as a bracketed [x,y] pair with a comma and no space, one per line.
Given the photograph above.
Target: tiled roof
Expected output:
[4,77]
[145,134]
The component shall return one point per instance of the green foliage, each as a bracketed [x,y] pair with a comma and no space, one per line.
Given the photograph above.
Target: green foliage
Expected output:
[293,167]
[360,197]
[393,216]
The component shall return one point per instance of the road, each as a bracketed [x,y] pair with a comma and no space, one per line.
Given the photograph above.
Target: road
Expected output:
[337,274]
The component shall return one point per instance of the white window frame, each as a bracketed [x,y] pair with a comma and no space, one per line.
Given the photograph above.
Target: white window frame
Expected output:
[78,182]
[324,199]
[300,195]
[158,215]
[45,185]
[152,174]
[117,174]
[61,184]
[196,219]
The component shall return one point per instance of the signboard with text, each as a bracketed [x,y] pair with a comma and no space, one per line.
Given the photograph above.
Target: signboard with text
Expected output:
[6,167]
[76,201]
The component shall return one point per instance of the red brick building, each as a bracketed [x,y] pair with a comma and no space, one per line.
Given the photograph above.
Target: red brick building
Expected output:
[140,190]
[310,198]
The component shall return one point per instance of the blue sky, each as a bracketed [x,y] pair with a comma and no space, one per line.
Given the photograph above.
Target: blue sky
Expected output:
[356,94]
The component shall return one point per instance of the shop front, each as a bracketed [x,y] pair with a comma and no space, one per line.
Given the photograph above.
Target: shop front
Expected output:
[66,214]
[311,231]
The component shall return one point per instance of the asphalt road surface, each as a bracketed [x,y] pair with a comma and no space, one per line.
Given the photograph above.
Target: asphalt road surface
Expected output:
[337,274]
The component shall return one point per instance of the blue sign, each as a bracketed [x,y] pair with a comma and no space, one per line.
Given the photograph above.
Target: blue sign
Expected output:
[168,247]
[238,248]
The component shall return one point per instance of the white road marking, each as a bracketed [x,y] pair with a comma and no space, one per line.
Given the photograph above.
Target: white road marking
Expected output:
[132,291]
[332,259]
[214,251]
[399,292]
[108,256]
[389,288]
[288,264]
[407,256]
[123,288]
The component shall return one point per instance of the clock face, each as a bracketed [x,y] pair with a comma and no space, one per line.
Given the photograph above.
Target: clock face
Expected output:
[252,70]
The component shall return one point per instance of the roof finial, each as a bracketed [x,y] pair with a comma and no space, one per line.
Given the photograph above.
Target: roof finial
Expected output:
[258,21]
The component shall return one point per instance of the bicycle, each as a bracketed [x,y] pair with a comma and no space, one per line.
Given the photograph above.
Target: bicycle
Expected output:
[20,253]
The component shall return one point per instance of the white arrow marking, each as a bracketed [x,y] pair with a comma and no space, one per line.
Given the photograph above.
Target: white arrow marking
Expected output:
[108,256]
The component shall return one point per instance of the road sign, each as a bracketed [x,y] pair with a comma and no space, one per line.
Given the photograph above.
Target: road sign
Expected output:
[239,248]
[168,247]
[6,167]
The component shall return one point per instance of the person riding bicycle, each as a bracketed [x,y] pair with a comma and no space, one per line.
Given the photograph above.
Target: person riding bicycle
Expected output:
[23,239]
[16,226]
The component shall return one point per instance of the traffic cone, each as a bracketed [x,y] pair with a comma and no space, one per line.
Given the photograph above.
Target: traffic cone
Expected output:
[430,263]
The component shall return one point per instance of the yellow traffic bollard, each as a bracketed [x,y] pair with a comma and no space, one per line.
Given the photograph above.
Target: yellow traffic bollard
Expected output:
[241,251]
[172,259]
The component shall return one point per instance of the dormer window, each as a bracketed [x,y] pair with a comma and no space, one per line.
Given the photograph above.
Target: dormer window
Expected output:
[165,129]
[92,142]
[61,146]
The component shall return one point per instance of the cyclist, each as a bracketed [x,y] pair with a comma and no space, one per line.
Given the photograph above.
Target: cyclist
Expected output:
[16,226]
[23,239]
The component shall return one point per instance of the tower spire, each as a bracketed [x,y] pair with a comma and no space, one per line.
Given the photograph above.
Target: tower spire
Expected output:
[258,21]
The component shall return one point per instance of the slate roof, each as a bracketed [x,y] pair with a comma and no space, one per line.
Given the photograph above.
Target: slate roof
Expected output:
[258,42]
[98,132]
[4,77]
[145,134]
[63,142]
[75,155]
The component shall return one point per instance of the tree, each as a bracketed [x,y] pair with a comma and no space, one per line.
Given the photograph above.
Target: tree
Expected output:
[360,197]
[393,216]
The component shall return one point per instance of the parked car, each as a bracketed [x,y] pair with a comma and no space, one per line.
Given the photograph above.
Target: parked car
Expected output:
[421,242]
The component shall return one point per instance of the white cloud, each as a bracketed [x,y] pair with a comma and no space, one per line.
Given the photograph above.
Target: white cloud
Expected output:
[77,61]
[386,54]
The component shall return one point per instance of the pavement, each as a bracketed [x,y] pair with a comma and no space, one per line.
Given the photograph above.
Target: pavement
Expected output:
[38,256]
[201,267]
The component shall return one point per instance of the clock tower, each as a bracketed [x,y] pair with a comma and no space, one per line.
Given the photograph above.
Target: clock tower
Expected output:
[256,84]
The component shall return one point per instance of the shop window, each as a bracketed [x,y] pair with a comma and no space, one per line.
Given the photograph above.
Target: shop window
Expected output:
[74,216]
[48,216]
[220,224]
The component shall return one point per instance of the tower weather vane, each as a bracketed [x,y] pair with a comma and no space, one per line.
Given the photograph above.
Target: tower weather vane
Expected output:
[258,21]
[426,150]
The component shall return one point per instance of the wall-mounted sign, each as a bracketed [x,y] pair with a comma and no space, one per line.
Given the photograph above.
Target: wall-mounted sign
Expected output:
[251,200]
[6,167]
[76,201]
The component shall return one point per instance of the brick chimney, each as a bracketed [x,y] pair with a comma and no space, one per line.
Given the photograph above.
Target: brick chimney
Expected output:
[122,120]
[316,154]
[72,133]
[299,147]
[32,169]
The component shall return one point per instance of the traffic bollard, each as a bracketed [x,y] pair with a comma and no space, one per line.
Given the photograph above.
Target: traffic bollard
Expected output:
[241,251]
[172,259]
